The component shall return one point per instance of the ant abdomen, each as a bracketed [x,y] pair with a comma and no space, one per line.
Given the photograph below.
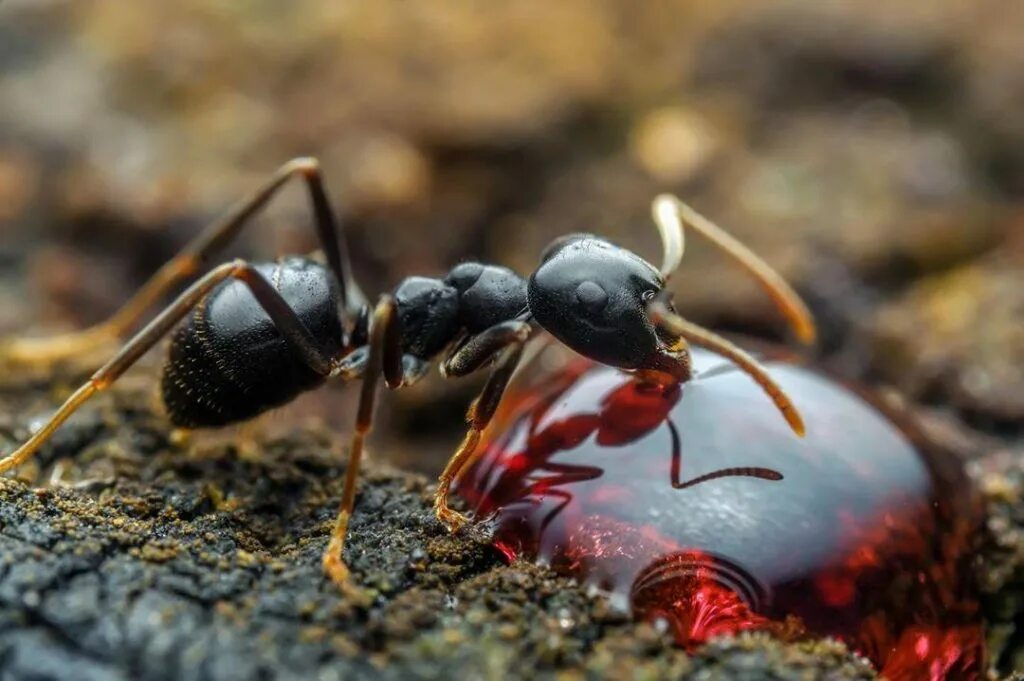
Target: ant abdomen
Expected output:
[229,362]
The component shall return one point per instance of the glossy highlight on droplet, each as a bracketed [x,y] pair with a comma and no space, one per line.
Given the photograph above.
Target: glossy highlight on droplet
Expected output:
[696,506]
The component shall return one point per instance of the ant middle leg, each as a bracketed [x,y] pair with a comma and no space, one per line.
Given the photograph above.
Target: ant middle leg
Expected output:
[190,260]
[383,356]
[286,320]
[504,343]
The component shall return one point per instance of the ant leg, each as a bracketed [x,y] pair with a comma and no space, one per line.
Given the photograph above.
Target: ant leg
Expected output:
[190,260]
[384,357]
[288,323]
[664,318]
[670,214]
[475,351]
[480,413]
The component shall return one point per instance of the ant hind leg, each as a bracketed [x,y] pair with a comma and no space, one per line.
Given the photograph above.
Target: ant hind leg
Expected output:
[287,321]
[190,260]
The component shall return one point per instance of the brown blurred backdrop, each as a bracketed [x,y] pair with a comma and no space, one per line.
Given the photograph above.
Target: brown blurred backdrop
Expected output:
[873,151]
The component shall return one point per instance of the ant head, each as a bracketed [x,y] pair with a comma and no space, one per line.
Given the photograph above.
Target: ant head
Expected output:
[592,296]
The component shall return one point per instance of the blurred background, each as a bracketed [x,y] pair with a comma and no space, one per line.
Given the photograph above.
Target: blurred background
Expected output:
[872,151]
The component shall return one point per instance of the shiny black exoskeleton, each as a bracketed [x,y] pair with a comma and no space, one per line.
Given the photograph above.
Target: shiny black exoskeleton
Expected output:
[229,362]
[592,296]
[256,335]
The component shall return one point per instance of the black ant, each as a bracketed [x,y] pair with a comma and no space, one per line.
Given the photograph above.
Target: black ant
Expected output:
[258,334]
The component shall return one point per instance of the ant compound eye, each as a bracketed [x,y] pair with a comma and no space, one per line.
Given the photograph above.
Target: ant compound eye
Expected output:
[648,296]
[591,297]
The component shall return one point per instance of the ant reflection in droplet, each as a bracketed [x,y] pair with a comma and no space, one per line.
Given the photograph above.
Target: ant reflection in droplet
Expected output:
[693,507]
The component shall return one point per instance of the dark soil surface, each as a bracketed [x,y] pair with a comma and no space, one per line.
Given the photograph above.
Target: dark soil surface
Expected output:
[154,560]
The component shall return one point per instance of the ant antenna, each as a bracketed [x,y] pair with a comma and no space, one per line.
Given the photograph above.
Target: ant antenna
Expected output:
[673,239]
[670,215]
[661,315]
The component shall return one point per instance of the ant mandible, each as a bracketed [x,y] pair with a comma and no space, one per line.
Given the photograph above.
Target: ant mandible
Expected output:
[261,333]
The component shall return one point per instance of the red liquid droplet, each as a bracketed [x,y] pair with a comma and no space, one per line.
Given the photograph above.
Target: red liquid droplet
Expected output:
[697,506]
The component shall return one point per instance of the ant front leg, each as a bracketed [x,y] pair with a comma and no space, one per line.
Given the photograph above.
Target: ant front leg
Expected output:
[383,356]
[285,319]
[475,351]
[190,261]
[504,344]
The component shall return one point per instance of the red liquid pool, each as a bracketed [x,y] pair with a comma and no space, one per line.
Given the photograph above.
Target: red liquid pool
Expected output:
[697,506]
